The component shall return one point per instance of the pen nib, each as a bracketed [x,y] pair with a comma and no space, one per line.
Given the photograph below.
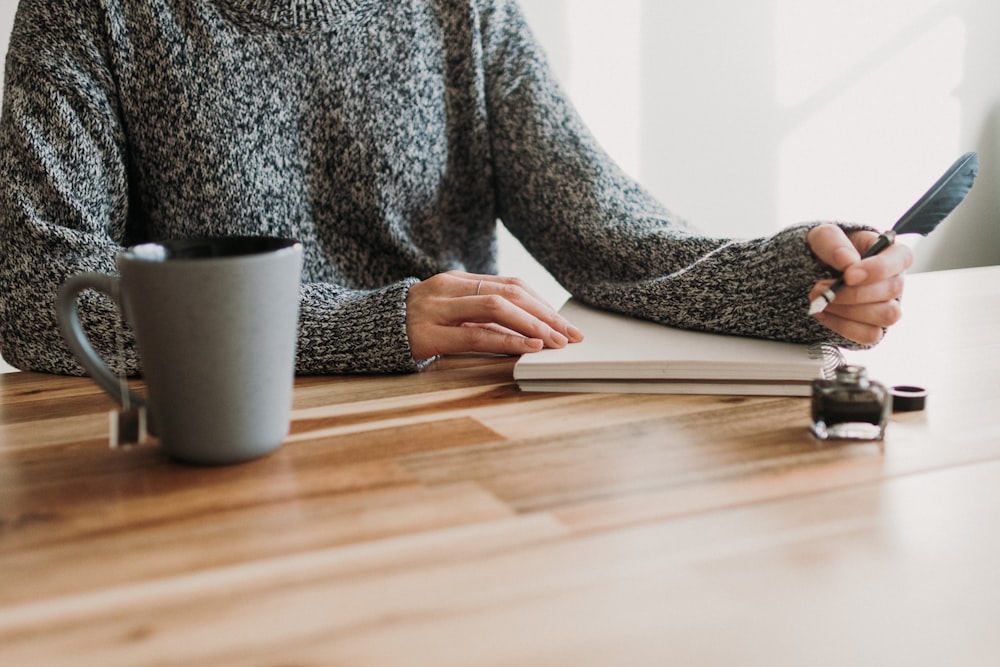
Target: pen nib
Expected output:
[818,305]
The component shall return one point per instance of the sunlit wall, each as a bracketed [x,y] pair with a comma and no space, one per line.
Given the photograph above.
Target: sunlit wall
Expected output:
[745,117]
[867,102]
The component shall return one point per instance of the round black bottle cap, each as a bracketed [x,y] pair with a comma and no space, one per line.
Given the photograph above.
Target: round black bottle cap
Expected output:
[908,398]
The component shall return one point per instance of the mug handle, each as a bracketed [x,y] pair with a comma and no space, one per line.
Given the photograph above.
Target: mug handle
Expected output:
[77,341]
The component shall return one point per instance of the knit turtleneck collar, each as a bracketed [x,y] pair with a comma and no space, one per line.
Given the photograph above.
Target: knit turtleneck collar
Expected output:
[299,14]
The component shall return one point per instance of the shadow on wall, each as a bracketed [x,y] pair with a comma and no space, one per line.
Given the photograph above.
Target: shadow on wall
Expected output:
[971,236]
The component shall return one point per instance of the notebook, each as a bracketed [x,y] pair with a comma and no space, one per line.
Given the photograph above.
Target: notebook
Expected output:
[624,354]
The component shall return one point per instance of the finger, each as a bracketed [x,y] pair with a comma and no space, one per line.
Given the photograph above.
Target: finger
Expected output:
[880,292]
[492,327]
[504,312]
[483,339]
[478,283]
[430,340]
[514,290]
[832,246]
[484,309]
[859,332]
[864,323]
[489,279]
[503,307]
[517,292]
[892,261]
[882,314]
[863,239]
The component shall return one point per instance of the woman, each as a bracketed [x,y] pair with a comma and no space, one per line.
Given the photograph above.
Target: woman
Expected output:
[388,137]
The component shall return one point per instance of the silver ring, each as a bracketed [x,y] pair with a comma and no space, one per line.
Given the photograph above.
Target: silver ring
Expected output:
[479,287]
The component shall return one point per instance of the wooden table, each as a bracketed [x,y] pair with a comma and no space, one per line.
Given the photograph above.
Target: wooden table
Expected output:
[447,519]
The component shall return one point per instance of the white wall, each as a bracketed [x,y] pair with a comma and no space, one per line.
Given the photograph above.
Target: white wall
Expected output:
[7,8]
[754,115]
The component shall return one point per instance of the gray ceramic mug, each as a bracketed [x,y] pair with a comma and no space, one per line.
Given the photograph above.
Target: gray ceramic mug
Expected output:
[215,322]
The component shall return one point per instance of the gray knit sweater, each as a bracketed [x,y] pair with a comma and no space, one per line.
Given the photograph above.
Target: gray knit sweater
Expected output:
[387,135]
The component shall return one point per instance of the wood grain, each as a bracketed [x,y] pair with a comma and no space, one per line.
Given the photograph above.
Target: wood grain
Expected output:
[444,518]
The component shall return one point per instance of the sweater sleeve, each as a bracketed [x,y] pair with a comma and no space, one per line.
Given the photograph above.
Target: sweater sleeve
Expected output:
[606,239]
[64,209]
[63,191]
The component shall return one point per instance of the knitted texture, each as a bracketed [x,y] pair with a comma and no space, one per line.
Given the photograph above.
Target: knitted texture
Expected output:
[387,136]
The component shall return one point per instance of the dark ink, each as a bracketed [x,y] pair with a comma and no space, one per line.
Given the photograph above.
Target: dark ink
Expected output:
[850,407]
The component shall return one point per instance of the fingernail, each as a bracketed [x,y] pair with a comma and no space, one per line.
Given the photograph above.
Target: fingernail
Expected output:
[559,339]
[575,334]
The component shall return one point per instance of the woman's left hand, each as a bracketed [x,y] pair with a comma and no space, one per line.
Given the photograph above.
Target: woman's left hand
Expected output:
[457,312]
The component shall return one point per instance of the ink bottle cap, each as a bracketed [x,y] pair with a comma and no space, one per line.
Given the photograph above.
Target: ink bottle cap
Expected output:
[908,398]
[850,406]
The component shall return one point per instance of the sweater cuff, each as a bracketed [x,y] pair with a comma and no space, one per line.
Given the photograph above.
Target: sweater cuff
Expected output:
[354,331]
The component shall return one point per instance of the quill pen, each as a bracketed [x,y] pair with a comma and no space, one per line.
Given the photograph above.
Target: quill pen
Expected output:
[942,198]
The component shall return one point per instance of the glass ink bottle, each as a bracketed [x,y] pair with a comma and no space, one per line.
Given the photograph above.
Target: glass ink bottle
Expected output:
[850,406]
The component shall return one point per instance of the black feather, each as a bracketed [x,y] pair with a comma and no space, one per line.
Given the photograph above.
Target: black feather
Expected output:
[947,193]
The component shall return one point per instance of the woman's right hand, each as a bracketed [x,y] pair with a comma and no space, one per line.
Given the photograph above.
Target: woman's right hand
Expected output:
[869,301]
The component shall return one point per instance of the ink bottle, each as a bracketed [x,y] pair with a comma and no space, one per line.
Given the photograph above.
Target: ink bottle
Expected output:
[850,406]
